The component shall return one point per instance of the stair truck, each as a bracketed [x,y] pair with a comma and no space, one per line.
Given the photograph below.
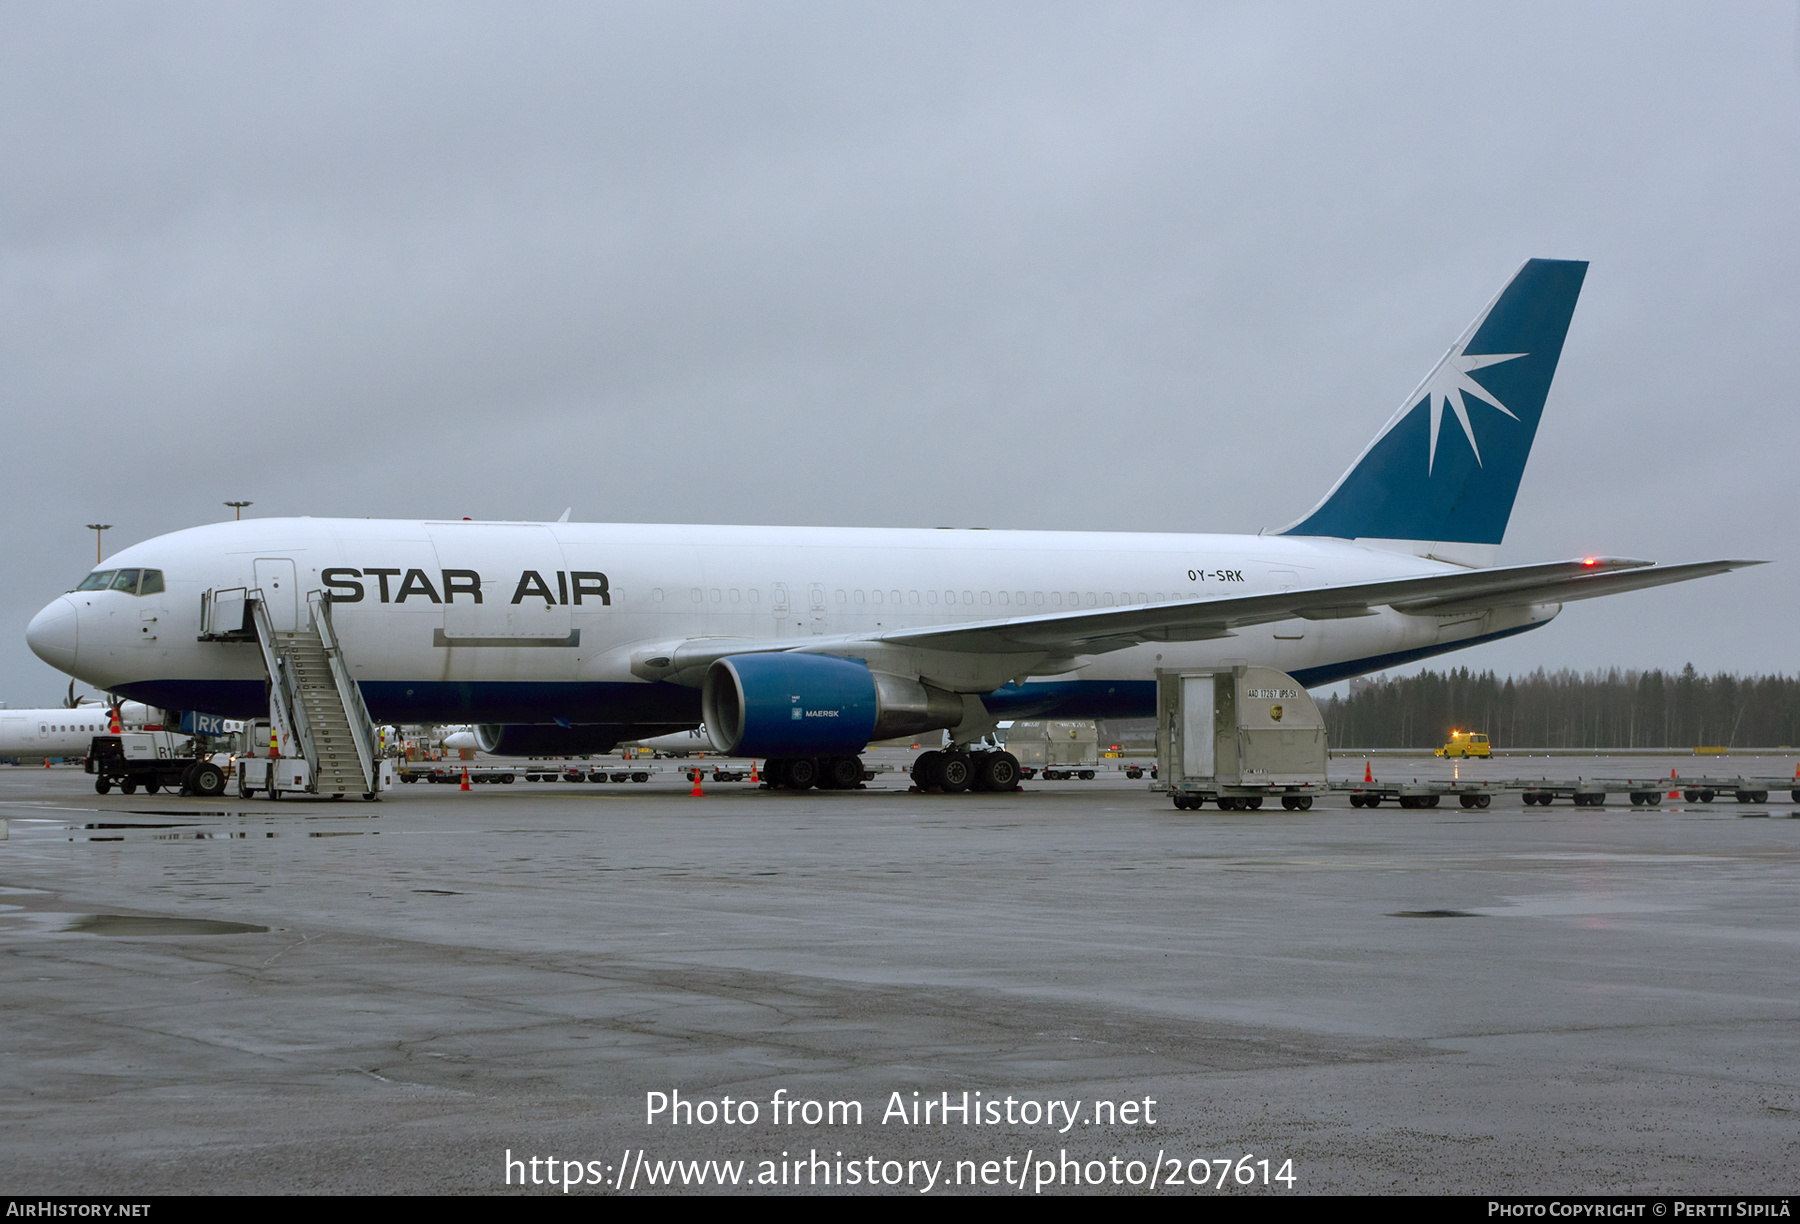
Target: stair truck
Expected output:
[321,738]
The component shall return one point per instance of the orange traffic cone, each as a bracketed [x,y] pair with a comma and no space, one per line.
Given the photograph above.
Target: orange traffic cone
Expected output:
[46,762]
[1677,794]
[113,727]
[465,781]
[696,792]
[754,778]
[1368,771]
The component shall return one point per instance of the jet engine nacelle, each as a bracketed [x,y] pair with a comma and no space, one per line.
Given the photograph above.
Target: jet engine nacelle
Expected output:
[531,739]
[794,705]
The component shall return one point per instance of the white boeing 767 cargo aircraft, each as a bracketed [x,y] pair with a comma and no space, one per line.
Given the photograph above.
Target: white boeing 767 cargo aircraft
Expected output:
[803,644]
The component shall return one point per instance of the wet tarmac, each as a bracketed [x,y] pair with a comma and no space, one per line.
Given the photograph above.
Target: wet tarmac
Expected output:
[209,996]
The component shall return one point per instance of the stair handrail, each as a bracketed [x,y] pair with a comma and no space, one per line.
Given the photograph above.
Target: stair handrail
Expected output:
[356,712]
[284,700]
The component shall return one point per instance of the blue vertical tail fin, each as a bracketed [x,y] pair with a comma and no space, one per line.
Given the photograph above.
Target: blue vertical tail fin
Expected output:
[1446,467]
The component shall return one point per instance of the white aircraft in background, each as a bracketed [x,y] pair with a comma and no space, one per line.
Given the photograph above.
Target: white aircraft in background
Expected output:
[803,644]
[675,744]
[65,731]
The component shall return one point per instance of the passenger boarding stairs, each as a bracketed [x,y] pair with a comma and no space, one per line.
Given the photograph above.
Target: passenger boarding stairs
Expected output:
[314,702]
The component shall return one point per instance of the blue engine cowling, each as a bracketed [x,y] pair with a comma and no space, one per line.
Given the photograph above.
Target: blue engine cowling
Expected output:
[789,705]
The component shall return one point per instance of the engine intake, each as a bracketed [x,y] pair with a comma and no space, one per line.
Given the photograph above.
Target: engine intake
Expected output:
[789,705]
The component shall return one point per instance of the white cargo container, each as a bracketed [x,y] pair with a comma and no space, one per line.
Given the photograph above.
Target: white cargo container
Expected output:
[1056,748]
[1238,735]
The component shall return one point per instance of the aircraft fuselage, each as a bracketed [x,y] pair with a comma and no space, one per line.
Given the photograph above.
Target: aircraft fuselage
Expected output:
[539,622]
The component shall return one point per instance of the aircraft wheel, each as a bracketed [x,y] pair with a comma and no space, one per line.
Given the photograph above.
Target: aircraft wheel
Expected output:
[956,772]
[802,772]
[843,772]
[999,771]
[775,772]
[925,769]
[102,786]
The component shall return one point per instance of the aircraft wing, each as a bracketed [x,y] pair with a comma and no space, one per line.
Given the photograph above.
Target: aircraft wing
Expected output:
[1101,630]
[1091,632]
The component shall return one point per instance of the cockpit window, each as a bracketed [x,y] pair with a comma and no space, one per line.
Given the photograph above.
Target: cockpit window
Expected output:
[132,582]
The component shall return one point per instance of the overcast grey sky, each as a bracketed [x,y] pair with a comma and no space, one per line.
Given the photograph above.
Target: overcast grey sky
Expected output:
[1157,267]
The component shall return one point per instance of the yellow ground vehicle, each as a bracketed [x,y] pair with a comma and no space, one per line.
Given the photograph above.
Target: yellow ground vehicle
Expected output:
[1466,744]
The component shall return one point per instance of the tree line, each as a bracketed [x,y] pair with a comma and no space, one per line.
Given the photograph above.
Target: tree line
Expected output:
[1567,709]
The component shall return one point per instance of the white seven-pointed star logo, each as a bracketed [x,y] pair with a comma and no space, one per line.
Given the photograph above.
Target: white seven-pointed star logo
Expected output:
[1446,385]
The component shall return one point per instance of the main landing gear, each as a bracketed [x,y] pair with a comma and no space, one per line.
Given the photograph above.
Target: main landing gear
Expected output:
[804,773]
[954,771]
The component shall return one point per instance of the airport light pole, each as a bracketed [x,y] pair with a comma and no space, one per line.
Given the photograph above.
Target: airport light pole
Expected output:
[97,528]
[239,507]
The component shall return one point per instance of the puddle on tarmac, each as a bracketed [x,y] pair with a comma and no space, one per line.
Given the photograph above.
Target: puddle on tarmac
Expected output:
[51,922]
[1434,914]
[185,825]
[211,834]
[124,924]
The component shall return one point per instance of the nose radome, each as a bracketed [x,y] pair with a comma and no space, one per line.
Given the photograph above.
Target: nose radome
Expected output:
[52,634]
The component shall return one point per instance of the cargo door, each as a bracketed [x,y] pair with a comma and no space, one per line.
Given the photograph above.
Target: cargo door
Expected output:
[502,584]
[1198,757]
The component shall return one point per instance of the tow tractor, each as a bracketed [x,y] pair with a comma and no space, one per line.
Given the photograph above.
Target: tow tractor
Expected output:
[154,760]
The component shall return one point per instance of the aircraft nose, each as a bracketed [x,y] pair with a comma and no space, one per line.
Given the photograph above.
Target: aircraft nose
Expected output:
[52,634]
